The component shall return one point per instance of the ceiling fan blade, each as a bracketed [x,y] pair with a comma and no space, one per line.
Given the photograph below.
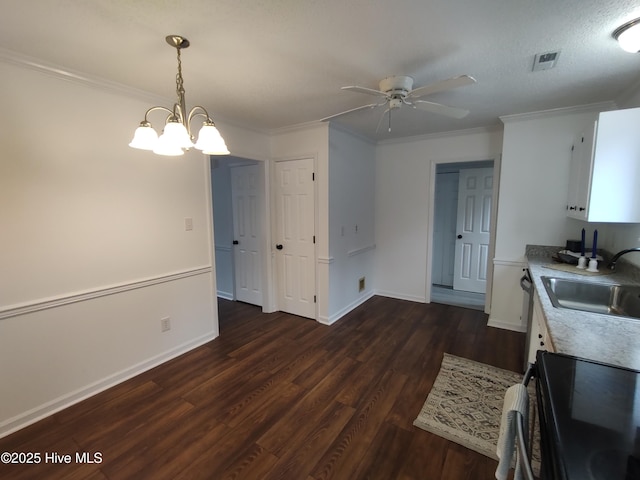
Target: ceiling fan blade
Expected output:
[388,110]
[441,109]
[371,105]
[448,84]
[368,91]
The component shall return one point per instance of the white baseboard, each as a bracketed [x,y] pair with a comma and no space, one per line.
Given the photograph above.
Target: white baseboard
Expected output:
[337,316]
[47,409]
[225,295]
[506,325]
[401,296]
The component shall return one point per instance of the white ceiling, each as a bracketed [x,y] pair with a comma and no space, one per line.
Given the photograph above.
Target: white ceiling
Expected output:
[271,64]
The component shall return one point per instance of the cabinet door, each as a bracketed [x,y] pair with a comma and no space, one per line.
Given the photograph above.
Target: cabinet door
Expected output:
[543,339]
[534,341]
[605,170]
[615,196]
[581,168]
[539,338]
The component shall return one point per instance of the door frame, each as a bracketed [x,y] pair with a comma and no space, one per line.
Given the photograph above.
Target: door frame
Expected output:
[494,212]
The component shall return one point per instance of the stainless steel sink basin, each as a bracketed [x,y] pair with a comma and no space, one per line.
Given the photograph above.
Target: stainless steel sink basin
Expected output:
[621,300]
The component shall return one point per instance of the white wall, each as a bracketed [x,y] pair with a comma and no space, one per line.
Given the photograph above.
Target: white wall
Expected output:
[403,171]
[351,221]
[533,194]
[94,251]
[534,179]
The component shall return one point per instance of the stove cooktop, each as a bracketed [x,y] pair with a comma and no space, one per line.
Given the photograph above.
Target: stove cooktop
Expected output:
[593,416]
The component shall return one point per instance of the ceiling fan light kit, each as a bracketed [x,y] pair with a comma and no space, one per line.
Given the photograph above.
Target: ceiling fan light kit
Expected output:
[176,136]
[398,90]
[628,36]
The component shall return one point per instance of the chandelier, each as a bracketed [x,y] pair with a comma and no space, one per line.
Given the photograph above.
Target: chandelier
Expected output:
[176,136]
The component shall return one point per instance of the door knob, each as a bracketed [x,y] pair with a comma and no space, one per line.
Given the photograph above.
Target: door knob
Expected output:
[279,246]
[459,236]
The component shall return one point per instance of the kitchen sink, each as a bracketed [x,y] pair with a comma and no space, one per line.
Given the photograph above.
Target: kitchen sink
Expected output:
[614,299]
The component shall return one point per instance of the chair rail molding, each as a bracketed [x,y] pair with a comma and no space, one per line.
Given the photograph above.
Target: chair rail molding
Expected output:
[61,300]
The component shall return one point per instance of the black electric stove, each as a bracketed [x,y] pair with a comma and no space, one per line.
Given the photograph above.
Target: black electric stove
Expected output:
[589,419]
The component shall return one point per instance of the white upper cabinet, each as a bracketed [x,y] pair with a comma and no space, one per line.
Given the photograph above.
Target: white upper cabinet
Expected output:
[604,183]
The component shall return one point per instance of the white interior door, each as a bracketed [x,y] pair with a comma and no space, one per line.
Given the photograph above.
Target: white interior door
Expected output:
[294,235]
[475,193]
[246,194]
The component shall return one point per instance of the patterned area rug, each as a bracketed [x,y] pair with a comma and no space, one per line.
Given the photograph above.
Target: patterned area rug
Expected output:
[465,405]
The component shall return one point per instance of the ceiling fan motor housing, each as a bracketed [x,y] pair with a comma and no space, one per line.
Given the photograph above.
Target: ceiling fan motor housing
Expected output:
[396,86]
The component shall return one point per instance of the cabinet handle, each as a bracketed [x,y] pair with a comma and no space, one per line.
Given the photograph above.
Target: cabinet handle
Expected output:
[539,335]
[542,344]
[573,208]
[582,209]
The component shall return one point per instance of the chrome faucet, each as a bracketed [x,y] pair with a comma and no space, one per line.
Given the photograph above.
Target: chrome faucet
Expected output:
[612,263]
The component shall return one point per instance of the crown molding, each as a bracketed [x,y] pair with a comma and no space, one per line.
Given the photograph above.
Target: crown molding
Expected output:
[452,133]
[81,78]
[591,107]
[63,73]
[298,127]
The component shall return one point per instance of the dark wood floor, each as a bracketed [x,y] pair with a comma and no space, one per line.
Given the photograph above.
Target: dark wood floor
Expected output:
[281,397]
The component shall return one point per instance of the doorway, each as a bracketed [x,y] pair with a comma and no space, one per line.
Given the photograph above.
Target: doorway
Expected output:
[238,223]
[461,232]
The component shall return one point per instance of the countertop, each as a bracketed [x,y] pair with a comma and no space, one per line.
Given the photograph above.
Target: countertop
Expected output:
[604,338]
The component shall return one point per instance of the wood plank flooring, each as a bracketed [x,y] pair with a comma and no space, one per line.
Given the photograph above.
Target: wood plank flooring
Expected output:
[281,397]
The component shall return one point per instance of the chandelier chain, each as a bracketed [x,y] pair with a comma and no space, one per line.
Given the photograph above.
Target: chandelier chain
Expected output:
[179,81]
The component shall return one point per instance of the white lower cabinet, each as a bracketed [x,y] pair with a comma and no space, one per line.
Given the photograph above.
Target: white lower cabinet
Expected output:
[539,338]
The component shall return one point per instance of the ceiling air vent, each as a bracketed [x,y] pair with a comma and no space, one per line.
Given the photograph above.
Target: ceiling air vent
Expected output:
[545,61]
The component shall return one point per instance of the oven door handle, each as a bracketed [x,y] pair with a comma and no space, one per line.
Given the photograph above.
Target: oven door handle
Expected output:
[521,443]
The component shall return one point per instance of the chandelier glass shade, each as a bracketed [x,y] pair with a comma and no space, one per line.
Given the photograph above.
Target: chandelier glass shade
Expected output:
[177,134]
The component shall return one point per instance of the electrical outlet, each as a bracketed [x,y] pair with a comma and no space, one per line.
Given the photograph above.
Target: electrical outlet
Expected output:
[165,324]
[188,224]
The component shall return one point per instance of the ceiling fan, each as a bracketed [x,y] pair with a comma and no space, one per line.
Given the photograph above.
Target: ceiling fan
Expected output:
[398,90]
